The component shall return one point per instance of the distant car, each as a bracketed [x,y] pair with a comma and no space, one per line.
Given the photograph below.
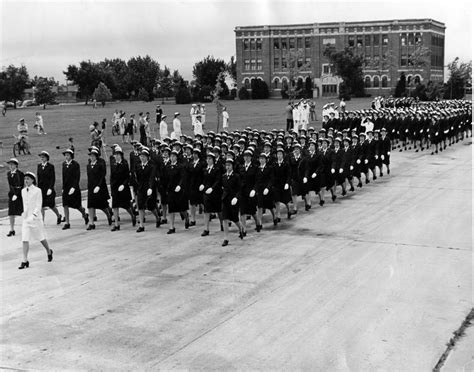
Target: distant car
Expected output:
[28,103]
[7,104]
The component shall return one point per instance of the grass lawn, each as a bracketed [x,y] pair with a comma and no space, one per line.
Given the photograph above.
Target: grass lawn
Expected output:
[62,122]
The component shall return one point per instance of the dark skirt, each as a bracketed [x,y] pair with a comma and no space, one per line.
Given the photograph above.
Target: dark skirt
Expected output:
[327,180]
[49,201]
[99,200]
[195,197]
[314,184]
[146,202]
[177,202]
[248,205]
[281,195]
[163,195]
[265,201]
[121,199]
[74,200]
[15,208]
[230,212]
[340,177]
[386,160]
[212,203]
[298,188]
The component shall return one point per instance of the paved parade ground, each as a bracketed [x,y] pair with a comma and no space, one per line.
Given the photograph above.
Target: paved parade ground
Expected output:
[378,280]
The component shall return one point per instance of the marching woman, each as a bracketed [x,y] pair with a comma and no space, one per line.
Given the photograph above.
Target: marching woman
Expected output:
[97,192]
[212,188]
[312,173]
[72,197]
[120,187]
[176,187]
[248,201]
[370,154]
[347,162]
[337,168]
[282,174]
[46,181]
[32,219]
[356,162]
[146,190]
[15,203]
[378,151]
[264,189]
[385,149]
[163,182]
[230,200]
[195,174]
[327,180]
[363,161]
[298,166]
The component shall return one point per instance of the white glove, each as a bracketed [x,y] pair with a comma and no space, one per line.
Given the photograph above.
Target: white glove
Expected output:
[149,192]
[233,201]
[286,186]
[333,171]
[351,167]
[201,187]
[49,192]
[382,157]
[376,156]
[121,187]
[265,191]
[313,175]
[436,133]
[177,189]
[341,170]
[96,189]
[366,161]
[421,131]
[305,180]
[388,153]
[71,191]
[14,197]
[209,190]
[358,161]
[252,193]
[406,130]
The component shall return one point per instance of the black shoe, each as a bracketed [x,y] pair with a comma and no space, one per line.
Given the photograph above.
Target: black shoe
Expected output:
[437,151]
[86,219]
[344,192]
[225,243]
[158,223]
[24,265]
[278,219]
[289,215]
[50,255]
[11,233]
[307,207]
[244,234]
[59,220]
[367,181]
[258,228]
[66,226]
[171,231]
[381,174]
[321,203]
[205,233]
[186,223]
[115,228]
[416,150]
[192,223]
[432,152]
[241,234]
[275,222]
[333,198]
[375,177]
[164,221]
[352,188]
[90,227]
[140,229]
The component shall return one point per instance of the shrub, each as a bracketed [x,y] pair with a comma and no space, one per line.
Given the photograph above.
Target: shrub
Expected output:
[182,96]
[244,93]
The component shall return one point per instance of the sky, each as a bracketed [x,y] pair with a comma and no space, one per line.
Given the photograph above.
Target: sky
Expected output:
[47,36]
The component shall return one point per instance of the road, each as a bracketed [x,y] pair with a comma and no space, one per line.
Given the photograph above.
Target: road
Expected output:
[378,280]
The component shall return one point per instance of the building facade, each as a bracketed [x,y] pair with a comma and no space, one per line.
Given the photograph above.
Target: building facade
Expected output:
[281,54]
[64,93]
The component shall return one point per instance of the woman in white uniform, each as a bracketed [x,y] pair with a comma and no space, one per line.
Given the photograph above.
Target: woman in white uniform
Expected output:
[32,219]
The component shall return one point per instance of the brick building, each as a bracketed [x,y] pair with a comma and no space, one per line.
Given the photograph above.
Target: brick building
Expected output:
[276,53]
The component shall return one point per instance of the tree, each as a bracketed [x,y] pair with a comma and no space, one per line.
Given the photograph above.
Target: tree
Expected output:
[401,86]
[460,76]
[178,81]
[295,66]
[434,91]
[206,71]
[416,62]
[143,72]
[348,67]
[115,76]
[182,96]
[13,82]
[102,94]
[87,76]
[165,83]
[143,95]
[218,92]
[43,92]
[259,89]
[232,68]
[243,93]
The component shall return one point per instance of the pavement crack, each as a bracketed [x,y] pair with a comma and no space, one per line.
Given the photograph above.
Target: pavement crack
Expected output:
[457,334]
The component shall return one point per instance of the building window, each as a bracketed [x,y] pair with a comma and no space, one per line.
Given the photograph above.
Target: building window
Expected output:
[284,63]
[300,62]
[411,39]
[299,43]
[246,44]
[418,39]
[259,64]
[404,61]
[284,44]
[376,40]
[247,83]
[384,39]
[276,63]
[275,83]
[331,41]
[292,43]
[376,52]
[367,40]
[367,82]
[252,64]
[384,82]
[259,44]
[284,83]
[376,81]
[252,44]
[276,44]
[329,89]
[359,41]
[327,69]
[307,63]
[351,40]
[307,42]
[247,64]
[404,39]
